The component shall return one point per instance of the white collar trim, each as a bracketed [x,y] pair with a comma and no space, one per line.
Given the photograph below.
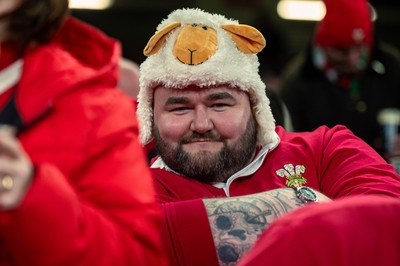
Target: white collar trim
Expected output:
[10,75]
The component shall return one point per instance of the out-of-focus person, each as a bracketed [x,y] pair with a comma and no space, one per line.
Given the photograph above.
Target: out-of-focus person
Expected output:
[345,76]
[128,80]
[74,184]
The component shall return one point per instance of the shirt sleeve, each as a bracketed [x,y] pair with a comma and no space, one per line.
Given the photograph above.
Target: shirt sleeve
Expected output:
[349,166]
[187,235]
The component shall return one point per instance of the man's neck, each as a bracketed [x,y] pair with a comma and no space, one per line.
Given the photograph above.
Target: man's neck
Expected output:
[4,29]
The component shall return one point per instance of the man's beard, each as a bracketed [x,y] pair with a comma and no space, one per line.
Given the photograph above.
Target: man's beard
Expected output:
[205,166]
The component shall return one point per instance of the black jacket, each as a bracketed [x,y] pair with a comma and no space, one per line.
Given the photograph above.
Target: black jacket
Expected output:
[313,100]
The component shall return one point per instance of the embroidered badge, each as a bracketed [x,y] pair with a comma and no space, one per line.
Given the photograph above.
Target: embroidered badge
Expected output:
[293,175]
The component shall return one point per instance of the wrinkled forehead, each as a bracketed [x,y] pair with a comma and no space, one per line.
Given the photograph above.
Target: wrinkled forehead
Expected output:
[197,91]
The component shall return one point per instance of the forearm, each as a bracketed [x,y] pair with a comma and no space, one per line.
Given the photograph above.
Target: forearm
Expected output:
[53,217]
[237,222]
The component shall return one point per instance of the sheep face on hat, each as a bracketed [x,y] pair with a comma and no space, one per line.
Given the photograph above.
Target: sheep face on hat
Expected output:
[193,47]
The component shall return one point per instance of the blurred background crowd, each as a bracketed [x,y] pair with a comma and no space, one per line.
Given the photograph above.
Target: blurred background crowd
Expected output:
[134,21]
[290,27]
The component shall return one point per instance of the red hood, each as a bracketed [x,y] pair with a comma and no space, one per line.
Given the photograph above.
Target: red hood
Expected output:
[88,45]
[79,56]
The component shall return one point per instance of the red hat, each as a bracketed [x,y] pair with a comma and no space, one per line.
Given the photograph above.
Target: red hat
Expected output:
[346,23]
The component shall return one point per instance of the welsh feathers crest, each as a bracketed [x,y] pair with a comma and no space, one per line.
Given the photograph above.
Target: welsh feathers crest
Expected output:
[293,175]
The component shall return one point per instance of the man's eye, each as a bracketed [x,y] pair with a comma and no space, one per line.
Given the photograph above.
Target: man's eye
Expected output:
[220,106]
[180,109]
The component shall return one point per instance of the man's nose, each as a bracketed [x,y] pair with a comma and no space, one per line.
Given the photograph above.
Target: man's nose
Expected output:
[201,121]
[353,55]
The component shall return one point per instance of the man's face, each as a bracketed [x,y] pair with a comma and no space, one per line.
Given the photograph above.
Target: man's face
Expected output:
[206,134]
[349,60]
[6,8]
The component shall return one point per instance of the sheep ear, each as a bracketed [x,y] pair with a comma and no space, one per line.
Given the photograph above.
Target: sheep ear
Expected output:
[247,38]
[158,39]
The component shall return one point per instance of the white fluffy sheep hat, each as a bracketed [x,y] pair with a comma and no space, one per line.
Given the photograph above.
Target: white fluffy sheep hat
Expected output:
[193,47]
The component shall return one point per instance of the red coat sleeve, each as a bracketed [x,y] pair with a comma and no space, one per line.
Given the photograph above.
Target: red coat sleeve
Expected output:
[92,198]
[358,230]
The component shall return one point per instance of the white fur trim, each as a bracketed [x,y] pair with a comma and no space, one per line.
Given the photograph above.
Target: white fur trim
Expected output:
[227,66]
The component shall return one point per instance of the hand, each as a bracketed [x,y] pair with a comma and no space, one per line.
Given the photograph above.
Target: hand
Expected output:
[395,151]
[15,170]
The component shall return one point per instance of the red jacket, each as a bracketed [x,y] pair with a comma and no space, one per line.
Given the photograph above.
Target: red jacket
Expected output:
[91,201]
[333,165]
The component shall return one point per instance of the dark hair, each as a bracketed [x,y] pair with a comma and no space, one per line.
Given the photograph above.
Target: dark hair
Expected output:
[36,21]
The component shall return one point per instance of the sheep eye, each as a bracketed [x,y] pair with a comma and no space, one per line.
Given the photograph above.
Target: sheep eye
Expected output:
[194,25]
[204,27]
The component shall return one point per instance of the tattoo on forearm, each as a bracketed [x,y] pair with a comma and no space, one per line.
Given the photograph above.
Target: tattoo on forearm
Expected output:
[236,223]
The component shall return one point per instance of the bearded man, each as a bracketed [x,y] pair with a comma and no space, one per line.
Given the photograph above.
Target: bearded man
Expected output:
[224,171]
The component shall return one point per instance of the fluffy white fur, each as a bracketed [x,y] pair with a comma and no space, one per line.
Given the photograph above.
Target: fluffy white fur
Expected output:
[227,66]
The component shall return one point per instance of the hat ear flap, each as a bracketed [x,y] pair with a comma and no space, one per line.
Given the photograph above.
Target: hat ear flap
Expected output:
[247,38]
[158,39]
